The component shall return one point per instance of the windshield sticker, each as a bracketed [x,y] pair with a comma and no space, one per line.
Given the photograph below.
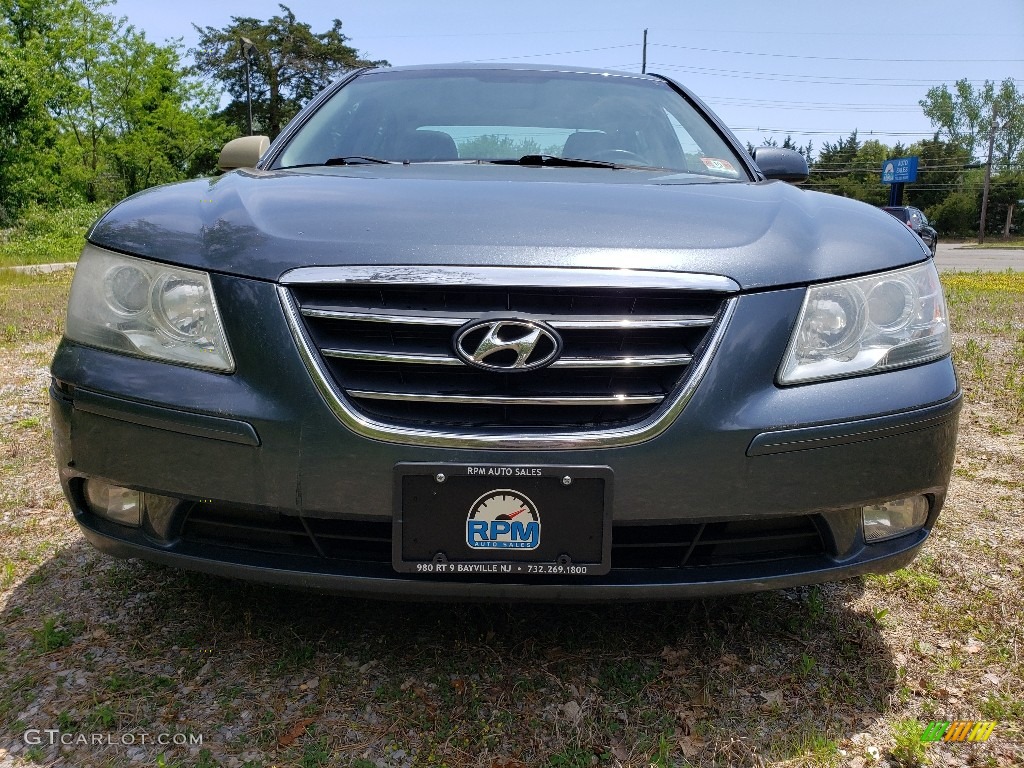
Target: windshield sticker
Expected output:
[719,166]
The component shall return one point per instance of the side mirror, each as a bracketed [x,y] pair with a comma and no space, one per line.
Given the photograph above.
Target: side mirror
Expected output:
[783,164]
[242,153]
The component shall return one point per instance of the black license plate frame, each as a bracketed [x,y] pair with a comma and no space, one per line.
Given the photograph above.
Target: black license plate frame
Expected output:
[481,519]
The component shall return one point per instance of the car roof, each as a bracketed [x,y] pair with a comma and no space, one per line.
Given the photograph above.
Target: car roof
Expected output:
[564,68]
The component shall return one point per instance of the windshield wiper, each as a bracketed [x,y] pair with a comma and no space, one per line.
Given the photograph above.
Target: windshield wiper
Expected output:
[555,160]
[573,162]
[346,160]
[356,160]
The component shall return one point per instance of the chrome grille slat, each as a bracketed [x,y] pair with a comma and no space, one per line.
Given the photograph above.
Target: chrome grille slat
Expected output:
[591,322]
[635,361]
[379,345]
[521,277]
[402,318]
[391,357]
[567,400]
[630,322]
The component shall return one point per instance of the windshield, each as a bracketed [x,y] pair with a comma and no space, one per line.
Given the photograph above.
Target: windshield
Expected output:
[495,115]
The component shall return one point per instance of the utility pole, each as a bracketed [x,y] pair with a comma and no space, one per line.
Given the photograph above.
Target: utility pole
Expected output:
[988,178]
[247,49]
[643,67]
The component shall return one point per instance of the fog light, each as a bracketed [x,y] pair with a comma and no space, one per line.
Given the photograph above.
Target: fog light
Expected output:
[114,503]
[894,518]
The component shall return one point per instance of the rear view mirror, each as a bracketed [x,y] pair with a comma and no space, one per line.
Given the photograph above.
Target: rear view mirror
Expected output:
[782,164]
[242,153]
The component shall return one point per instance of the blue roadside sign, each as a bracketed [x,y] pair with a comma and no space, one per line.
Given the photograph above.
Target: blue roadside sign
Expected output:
[899,170]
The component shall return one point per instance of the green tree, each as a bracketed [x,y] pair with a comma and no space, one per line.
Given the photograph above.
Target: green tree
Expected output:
[16,94]
[956,213]
[850,168]
[942,166]
[158,122]
[1007,188]
[964,117]
[122,112]
[289,64]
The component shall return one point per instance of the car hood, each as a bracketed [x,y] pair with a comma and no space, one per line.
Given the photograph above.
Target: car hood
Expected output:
[261,224]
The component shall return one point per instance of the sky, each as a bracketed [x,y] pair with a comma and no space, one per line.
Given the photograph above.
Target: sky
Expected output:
[813,70]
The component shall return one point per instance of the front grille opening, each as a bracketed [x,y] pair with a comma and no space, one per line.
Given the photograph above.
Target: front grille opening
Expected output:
[694,545]
[634,546]
[253,530]
[389,351]
[277,533]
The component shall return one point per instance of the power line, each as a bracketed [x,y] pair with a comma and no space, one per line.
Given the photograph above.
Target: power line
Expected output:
[802,132]
[817,104]
[820,107]
[838,58]
[805,79]
[554,53]
[790,32]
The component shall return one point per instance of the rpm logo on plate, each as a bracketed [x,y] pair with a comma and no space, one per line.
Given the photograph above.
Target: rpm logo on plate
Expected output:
[503,519]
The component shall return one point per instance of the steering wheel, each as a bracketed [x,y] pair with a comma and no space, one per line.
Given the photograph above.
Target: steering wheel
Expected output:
[617,155]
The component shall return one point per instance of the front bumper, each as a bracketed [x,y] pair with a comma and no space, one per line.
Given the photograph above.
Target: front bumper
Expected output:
[263,442]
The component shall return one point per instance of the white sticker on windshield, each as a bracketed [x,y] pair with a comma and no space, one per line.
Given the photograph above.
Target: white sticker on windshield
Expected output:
[719,166]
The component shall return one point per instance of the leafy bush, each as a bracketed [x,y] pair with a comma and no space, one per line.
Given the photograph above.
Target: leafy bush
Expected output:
[44,236]
[956,215]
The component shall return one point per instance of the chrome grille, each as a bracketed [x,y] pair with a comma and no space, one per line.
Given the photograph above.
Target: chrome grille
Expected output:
[379,341]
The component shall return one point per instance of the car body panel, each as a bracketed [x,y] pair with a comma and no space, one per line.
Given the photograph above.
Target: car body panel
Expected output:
[263,444]
[261,224]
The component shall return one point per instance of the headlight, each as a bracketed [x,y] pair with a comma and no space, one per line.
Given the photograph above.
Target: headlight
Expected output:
[143,308]
[869,324]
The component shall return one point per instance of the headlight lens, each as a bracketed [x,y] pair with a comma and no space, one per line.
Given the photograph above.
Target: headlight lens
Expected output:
[143,308]
[869,324]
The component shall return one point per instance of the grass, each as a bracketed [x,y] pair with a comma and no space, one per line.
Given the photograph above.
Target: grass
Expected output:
[909,750]
[32,307]
[54,634]
[987,315]
[803,677]
[996,241]
[44,237]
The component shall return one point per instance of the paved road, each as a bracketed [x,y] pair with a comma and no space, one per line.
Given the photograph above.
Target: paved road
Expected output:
[954,257]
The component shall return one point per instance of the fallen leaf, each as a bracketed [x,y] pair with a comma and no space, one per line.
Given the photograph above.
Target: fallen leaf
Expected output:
[691,747]
[772,699]
[673,656]
[728,661]
[619,752]
[288,738]
[974,646]
[507,762]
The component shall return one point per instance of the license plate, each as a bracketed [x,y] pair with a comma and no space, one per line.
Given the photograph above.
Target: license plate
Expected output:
[502,520]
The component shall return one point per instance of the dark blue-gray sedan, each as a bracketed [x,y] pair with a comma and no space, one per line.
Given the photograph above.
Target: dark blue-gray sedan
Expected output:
[490,332]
